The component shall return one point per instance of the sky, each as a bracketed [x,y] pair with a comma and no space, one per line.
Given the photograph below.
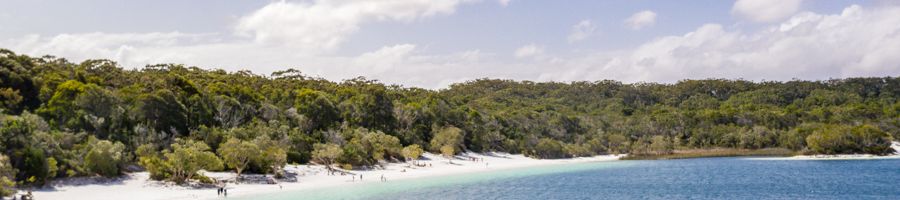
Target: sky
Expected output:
[435,43]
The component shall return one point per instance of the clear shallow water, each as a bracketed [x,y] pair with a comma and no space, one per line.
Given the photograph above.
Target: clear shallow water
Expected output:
[707,178]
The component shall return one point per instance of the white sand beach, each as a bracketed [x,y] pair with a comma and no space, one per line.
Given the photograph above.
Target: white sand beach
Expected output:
[138,186]
[894,145]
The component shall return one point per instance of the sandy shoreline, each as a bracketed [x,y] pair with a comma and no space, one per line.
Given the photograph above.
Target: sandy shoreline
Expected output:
[137,186]
[894,145]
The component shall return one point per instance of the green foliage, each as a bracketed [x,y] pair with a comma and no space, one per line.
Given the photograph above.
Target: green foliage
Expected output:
[272,155]
[18,89]
[549,148]
[174,117]
[841,139]
[237,154]
[187,157]
[379,146]
[412,152]
[326,153]
[447,140]
[872,140]
[318,107]
[105,158]
[34,169]
[661,145]
[180,163]
[150,159]
[7,177]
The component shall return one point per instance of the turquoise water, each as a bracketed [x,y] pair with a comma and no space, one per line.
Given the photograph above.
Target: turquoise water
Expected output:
[707,178]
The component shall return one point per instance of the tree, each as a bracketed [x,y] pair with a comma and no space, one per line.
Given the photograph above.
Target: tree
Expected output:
[7,177]
[272,154]
[274,158]
[412,152]
[617,143]
[832,140]
[164,112]
[34,168]
[660,145]
[60,109]
[105,158]
[447,137]
[237,154]
[318,107]
[379,145]
[150,159]
[549,148]
[18,88]
[448,152]
[326,153]
[873,140]
[187,157]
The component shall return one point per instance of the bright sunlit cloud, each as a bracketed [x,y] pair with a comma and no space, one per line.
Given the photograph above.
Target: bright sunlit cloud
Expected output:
[406,44]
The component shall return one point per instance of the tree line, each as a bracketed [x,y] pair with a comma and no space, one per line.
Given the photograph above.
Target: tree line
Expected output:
[63,119]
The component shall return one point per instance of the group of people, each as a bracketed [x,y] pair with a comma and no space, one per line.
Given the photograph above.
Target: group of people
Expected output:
[423,165]
[222,191]
[353,176]
[26,196]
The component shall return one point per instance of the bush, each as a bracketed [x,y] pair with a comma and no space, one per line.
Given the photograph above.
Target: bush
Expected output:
[839,139]
[7,177]
[35,168]
[872,140]
[549,148]
[105,158]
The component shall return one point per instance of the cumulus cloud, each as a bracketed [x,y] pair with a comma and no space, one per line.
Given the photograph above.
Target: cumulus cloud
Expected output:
[764,11]
[530,50]
[581,31]
[322,25]
[641,19]
[855,42]
[504,3]
[122,47]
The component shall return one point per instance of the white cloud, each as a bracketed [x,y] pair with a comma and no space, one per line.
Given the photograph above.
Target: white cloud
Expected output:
[855,42]
[530,50]
[323,25]
[765,11]
[581,31]
[641,19]
[386,58]
[121,47]
[504,3]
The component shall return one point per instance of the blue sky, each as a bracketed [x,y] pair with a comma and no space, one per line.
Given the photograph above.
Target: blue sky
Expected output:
[434,43]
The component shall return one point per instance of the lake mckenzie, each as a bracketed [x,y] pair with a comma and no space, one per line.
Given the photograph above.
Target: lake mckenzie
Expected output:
[702,178]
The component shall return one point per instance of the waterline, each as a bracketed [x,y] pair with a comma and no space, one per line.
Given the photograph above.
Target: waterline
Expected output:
[368,190]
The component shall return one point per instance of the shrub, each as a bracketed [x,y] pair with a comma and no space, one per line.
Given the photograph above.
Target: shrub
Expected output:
[549,148]
[105,158]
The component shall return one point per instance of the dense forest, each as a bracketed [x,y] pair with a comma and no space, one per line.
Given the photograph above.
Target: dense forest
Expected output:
[63,119]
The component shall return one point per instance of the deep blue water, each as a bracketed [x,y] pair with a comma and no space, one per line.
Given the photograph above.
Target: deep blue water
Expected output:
[706,178]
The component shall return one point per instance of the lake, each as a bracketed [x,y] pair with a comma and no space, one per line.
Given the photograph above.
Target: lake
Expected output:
[705,178]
